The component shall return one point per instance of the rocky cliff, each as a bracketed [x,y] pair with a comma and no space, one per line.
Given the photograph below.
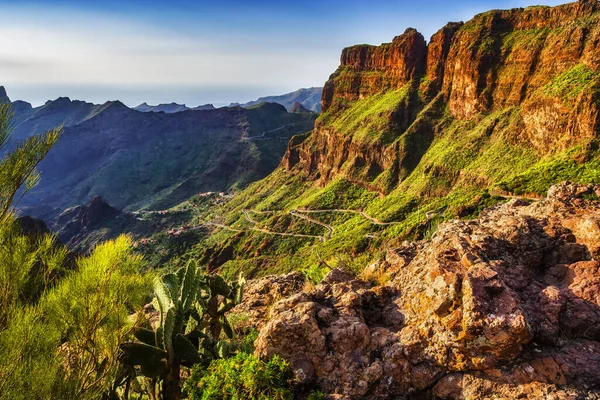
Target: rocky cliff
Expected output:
[505,306]
[385,104]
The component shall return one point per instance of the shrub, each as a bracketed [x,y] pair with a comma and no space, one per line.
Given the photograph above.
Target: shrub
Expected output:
[241,377]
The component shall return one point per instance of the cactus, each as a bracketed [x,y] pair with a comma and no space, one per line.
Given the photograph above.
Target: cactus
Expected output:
[192,308]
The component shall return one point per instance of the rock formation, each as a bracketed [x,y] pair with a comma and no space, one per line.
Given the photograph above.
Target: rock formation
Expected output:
[298,108]
[505,306]
[543,62]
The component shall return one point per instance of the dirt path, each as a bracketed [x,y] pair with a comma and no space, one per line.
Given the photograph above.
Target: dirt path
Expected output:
[362,213]
[257,229]
[514,196]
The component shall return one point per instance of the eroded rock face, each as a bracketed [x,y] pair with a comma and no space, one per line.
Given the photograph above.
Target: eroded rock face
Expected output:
[365,70]
[542,61]
[260,294]
[504,306]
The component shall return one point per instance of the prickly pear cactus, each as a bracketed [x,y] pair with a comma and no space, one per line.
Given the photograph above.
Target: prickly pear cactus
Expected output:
[192,307]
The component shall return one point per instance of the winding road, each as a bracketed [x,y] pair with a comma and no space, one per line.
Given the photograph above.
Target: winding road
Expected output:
[365,215]
[299,213]
[262,135]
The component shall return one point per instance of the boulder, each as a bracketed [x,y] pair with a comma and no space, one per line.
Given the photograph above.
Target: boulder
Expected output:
[505,306]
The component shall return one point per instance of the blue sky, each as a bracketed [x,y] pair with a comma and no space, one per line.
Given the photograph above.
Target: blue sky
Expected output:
[198,52]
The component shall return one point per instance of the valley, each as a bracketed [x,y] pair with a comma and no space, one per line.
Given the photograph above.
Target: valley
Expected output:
[425,225]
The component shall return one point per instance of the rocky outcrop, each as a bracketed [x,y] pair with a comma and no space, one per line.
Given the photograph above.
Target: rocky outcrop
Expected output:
[32,226]
[3,96]
[75,224]
[365,70]
[298,108]
[505,306]
[260,294]
[542,61]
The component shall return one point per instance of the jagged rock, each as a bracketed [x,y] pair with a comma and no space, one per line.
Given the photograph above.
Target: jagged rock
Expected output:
[496,61]
[262,293]
[505,306]
[3,96]
[394,65]
[75,224]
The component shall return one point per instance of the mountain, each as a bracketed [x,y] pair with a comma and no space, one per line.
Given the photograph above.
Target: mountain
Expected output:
[171,108]
[3,96]
[298,108]
[134,159]
[30,120]
[309,98]
[412,134]
[446,259]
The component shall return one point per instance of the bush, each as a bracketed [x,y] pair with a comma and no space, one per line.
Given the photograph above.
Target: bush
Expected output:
[243,376]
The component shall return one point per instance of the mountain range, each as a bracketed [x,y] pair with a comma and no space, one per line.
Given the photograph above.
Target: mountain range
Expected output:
[432,233]
[139,159]
[309,98]
[171,108]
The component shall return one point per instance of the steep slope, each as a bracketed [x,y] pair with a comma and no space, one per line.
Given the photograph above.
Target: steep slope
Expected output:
[412,134]
[134,159]
[309,98]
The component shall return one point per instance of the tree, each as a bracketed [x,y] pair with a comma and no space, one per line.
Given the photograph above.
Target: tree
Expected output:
[26,264]
[18,172]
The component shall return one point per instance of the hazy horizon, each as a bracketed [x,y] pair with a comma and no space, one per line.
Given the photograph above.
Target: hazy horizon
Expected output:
[197,52]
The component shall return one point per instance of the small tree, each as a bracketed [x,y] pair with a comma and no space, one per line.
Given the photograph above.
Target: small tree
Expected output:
[24,261]
[18,168]
[192,309]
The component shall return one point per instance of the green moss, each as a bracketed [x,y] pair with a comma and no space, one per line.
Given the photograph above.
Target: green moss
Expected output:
[577,164]
[525,38]
[571,83]
[368,120]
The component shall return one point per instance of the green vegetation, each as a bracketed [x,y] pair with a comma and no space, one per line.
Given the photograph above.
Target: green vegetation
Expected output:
[368,120]
[66,344]
[571,83]
[67,322]
[192,309]
[580,164]
[243,376]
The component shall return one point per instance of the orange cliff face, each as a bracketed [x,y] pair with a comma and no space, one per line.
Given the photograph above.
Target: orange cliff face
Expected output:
[365,70]
[545,61]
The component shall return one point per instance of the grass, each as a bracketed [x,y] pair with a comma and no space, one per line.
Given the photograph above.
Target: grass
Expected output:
[570,84]
[368,120]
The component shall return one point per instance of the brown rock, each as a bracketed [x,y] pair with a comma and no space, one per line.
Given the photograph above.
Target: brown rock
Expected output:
[481,311]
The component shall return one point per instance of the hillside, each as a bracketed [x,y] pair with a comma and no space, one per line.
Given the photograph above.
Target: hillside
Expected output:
[139,160]
[413,134]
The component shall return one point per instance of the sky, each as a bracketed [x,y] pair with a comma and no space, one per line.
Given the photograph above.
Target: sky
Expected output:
[198,52]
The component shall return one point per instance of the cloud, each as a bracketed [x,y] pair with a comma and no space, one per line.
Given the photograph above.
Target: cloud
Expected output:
[83,49]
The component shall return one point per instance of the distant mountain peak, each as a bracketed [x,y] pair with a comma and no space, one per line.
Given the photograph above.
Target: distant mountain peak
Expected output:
[309,98]
[3,96]
[163,107]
